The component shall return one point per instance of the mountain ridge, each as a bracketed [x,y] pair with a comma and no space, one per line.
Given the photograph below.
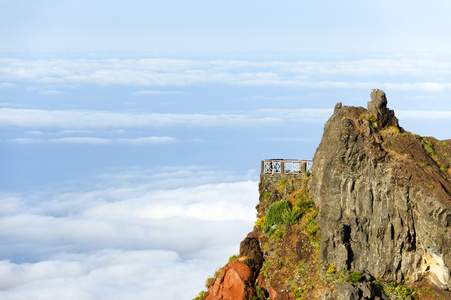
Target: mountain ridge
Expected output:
[372,221]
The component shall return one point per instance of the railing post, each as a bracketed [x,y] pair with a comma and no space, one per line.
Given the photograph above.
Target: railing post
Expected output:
[282,167]
[263,167]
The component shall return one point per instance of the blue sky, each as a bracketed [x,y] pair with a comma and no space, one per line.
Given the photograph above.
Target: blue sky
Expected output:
[132,132]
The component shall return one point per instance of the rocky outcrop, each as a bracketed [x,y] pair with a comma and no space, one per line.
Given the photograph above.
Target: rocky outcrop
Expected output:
[275,266]
[377,107]
[383,196]
[236,280]
[381,209]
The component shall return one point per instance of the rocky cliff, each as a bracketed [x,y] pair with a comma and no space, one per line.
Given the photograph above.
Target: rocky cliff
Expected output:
[384,196]
[372,221]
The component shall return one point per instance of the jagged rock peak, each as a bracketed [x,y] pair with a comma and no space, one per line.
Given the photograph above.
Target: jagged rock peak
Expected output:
[384,196]
[338,106]
[377,107]
[378,100]
[382,210]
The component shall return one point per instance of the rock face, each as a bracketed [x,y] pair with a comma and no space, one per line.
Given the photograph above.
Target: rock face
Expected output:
[236,279]
[381,209]
[274,266]
[383,196]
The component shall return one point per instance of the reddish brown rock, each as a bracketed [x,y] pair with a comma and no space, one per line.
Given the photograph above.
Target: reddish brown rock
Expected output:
[237,279]
[232,283]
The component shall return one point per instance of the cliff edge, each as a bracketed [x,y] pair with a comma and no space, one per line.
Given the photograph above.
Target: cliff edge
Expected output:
[383,196]
[371,221]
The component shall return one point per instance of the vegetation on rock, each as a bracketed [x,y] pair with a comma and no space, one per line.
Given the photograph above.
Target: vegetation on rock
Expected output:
[355,277]
[384,198]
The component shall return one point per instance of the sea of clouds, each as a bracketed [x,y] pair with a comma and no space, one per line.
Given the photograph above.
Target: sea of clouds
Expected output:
[131,234]
[158,234]
[56,75]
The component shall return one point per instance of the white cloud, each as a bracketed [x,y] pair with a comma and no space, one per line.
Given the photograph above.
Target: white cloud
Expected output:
[8,104]
[309,115]
[132,235]
[99,141]
[293,139]
[411,74]
[6,85]
[25,140]
[155,93]
[426,115]
[273,98]
[35,118]
[110,273]
[81,140]
[147,140]
[35,132]
[52,93]
[74,132]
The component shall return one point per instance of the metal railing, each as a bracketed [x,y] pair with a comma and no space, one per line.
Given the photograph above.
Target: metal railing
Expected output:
[286,166]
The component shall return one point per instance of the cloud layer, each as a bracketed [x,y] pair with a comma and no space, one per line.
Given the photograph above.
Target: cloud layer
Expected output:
[139,239]
[38,118]
[404,74]
[152,140]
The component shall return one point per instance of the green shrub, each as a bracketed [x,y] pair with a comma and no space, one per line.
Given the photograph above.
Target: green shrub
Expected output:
[297,292]
[429,146]
[304,204]
[332,270]
[281,183]
[211,280]
[444,168]
[280,213]
[260,222]
[275,215]
[355,277]
[290,216]
[279,233]
[311,227]
[261,293]
[372,119]
[275,211]
[394,130]
[368,116]
[398,291]
[429,149]
[404,134]
[265,269]
[201,295]
[232,258]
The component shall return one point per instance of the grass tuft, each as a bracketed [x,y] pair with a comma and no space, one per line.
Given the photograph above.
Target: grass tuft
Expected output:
[355,277]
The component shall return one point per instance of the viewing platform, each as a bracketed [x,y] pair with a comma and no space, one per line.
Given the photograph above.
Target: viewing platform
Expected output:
[286,166]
